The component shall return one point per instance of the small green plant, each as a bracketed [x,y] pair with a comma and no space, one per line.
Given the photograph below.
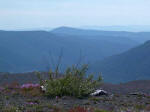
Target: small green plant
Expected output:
[139,107]
[7,97]
[75,82]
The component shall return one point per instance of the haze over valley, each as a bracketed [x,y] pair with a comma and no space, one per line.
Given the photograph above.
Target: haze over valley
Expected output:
[27,51]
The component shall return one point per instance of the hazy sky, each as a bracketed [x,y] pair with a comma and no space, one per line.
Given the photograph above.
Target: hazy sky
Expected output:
[22,14]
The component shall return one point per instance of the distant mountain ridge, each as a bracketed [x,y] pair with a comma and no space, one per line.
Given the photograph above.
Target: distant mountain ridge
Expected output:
[129,28]
[76,31]
[136,36]
[130,65]
[25,51]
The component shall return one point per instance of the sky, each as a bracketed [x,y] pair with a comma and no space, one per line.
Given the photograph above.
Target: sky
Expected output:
[30,14]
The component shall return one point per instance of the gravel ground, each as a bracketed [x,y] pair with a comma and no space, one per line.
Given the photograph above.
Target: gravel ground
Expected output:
[111,103]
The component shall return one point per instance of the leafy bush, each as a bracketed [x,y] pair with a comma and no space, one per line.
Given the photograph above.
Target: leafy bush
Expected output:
[74,82]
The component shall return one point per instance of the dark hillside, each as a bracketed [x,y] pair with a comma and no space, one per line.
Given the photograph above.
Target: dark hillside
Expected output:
[25,51]
[131,65]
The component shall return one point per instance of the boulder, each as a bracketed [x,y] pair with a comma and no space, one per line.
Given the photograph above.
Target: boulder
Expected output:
[99,92]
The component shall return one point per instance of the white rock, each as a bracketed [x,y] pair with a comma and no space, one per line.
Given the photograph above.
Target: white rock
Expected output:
[43,88]
[99,92]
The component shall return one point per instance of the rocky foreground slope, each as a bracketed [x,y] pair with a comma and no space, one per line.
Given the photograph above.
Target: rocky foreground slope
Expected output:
[126,97]
[15,98]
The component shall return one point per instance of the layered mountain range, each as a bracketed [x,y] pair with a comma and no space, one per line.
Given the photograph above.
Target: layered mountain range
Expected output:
[115,54]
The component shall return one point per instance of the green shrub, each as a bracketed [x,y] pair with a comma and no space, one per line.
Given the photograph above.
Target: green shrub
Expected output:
[74,82]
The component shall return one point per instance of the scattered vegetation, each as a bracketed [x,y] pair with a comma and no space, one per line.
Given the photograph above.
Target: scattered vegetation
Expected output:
[74,82]
[24,101]
[65,92]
